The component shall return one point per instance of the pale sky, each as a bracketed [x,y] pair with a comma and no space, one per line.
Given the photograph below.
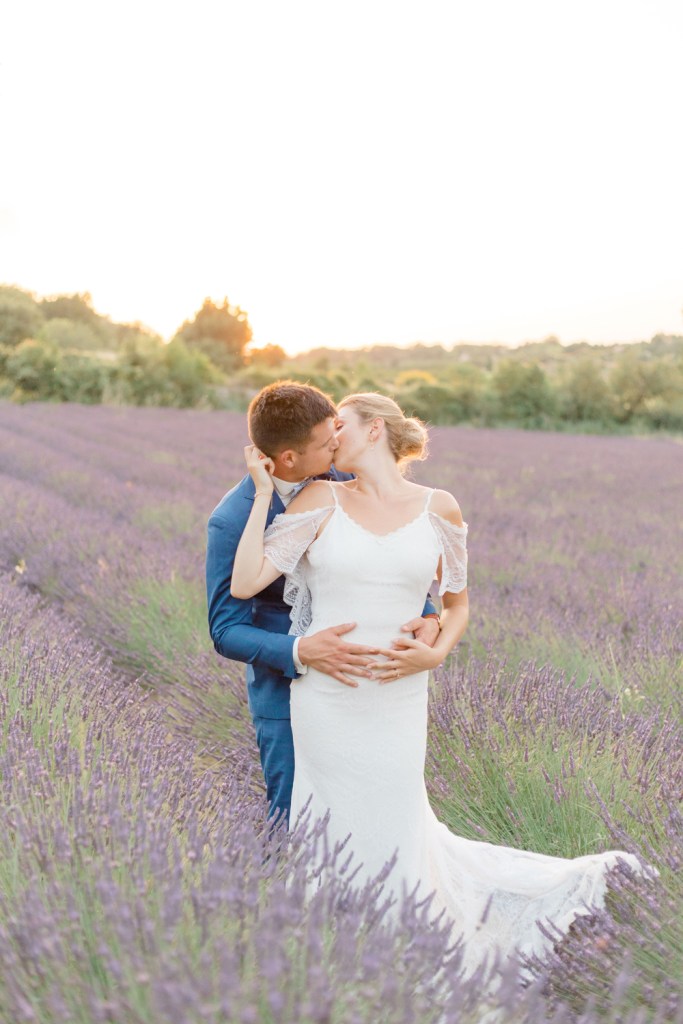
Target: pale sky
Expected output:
[350,173]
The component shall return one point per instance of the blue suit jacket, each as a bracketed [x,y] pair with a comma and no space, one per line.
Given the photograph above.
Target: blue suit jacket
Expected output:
[255,630]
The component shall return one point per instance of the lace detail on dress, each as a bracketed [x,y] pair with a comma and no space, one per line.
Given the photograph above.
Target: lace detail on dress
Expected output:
[285,543]
[452,540]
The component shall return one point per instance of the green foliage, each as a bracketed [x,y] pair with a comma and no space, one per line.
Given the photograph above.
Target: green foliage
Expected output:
[32,368]
[635,383]
[269,355]
[70,307]
[72,323]
[523,392]
[584,394]
[20,316]
[579,387]
[151,373]
[73,334]
[666,414]
[435,403]
[5,352]
[222,333]
[80,378]
[469,385]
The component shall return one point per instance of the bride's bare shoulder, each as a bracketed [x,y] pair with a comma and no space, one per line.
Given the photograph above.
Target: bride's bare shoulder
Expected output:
[444,504]
[315,495]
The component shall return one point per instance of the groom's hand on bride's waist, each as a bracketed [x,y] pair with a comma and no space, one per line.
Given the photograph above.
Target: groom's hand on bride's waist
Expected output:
[328,652]
[425,628]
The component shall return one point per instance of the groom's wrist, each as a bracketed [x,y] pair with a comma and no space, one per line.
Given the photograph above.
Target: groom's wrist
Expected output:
[298,663]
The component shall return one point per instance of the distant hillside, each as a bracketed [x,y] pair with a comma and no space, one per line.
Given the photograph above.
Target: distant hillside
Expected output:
[548,352]
[60,349]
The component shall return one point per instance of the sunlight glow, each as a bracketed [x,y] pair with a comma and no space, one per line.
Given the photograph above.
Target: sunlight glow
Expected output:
[350,174]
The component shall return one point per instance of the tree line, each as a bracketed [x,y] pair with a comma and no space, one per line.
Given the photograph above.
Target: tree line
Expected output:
[61,349]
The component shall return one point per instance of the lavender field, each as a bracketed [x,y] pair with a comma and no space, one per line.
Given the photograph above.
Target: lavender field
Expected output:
[137,880]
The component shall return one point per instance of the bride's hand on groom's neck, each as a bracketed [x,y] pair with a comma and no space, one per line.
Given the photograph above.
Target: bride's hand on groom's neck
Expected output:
[260,469]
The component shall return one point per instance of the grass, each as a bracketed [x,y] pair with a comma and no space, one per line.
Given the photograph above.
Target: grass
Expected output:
[519,772]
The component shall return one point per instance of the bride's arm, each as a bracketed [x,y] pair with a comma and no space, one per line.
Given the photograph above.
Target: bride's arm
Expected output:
[455,607]
[253,570]
[454,618]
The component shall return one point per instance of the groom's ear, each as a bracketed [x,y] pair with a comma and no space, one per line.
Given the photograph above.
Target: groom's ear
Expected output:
[286,459]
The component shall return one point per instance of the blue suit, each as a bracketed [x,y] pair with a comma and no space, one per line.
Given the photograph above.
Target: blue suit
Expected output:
[256,631]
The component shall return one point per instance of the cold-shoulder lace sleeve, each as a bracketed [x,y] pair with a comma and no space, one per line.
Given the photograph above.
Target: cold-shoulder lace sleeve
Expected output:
[453,542]
[286,541]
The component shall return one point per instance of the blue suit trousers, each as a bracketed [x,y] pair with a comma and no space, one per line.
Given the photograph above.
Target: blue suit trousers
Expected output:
[276,747]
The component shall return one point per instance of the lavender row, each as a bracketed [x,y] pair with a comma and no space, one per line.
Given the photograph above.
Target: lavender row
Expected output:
[135,888]
[104,515]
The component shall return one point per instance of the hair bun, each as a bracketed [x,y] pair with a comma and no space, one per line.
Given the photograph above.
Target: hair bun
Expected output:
[410,440]
[407,435]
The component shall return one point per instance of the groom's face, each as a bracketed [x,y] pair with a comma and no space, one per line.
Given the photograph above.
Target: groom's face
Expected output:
[313,458]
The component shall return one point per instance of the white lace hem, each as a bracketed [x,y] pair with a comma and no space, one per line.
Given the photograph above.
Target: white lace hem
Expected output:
[285,544]
[453,542]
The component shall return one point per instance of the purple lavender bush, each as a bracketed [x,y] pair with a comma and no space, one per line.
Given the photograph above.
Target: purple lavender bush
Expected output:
[137,879]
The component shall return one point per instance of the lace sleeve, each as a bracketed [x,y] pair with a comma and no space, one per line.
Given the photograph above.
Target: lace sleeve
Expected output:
[285,543]
[452,540]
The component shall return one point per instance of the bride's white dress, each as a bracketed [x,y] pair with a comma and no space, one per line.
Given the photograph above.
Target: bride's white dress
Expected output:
[360,753]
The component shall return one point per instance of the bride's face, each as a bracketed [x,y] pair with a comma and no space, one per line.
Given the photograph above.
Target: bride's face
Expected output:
[352,438]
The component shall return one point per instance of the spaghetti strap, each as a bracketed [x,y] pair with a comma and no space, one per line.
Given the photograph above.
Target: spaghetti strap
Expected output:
[334,492]
[428,499]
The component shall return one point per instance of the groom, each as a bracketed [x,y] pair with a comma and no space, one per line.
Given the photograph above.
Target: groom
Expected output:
[294,425]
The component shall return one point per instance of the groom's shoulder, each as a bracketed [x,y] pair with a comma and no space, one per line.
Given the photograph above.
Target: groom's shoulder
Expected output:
[232,505]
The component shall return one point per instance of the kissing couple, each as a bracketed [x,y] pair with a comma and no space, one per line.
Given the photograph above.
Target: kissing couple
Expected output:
[318,578]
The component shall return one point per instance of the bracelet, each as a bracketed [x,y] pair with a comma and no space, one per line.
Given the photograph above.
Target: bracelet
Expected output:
[268,494]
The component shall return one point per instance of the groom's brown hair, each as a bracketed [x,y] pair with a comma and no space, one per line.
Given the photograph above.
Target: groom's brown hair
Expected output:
[282,415]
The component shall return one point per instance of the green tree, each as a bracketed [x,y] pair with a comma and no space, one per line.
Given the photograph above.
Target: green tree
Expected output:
[20,316]
[32,367]
[5,352]
[77,309]
[434,403]
[81,378]
[269,355]
[584,394]
[72,335]
[151,373]
[471,393]
[70,307]
[221,332]
[635,381]
[523,392]
[189,373]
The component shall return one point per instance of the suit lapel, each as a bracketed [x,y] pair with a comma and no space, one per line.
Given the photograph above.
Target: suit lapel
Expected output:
[276,507]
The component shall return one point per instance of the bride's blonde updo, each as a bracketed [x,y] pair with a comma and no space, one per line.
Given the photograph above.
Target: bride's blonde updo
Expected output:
[407,435]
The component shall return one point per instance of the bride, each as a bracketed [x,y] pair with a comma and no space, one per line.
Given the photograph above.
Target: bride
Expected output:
[367,550]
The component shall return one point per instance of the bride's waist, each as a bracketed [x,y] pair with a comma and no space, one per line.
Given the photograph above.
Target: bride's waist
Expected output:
[372,632]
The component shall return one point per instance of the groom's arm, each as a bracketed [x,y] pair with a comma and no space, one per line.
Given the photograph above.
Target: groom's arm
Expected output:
[230,619]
